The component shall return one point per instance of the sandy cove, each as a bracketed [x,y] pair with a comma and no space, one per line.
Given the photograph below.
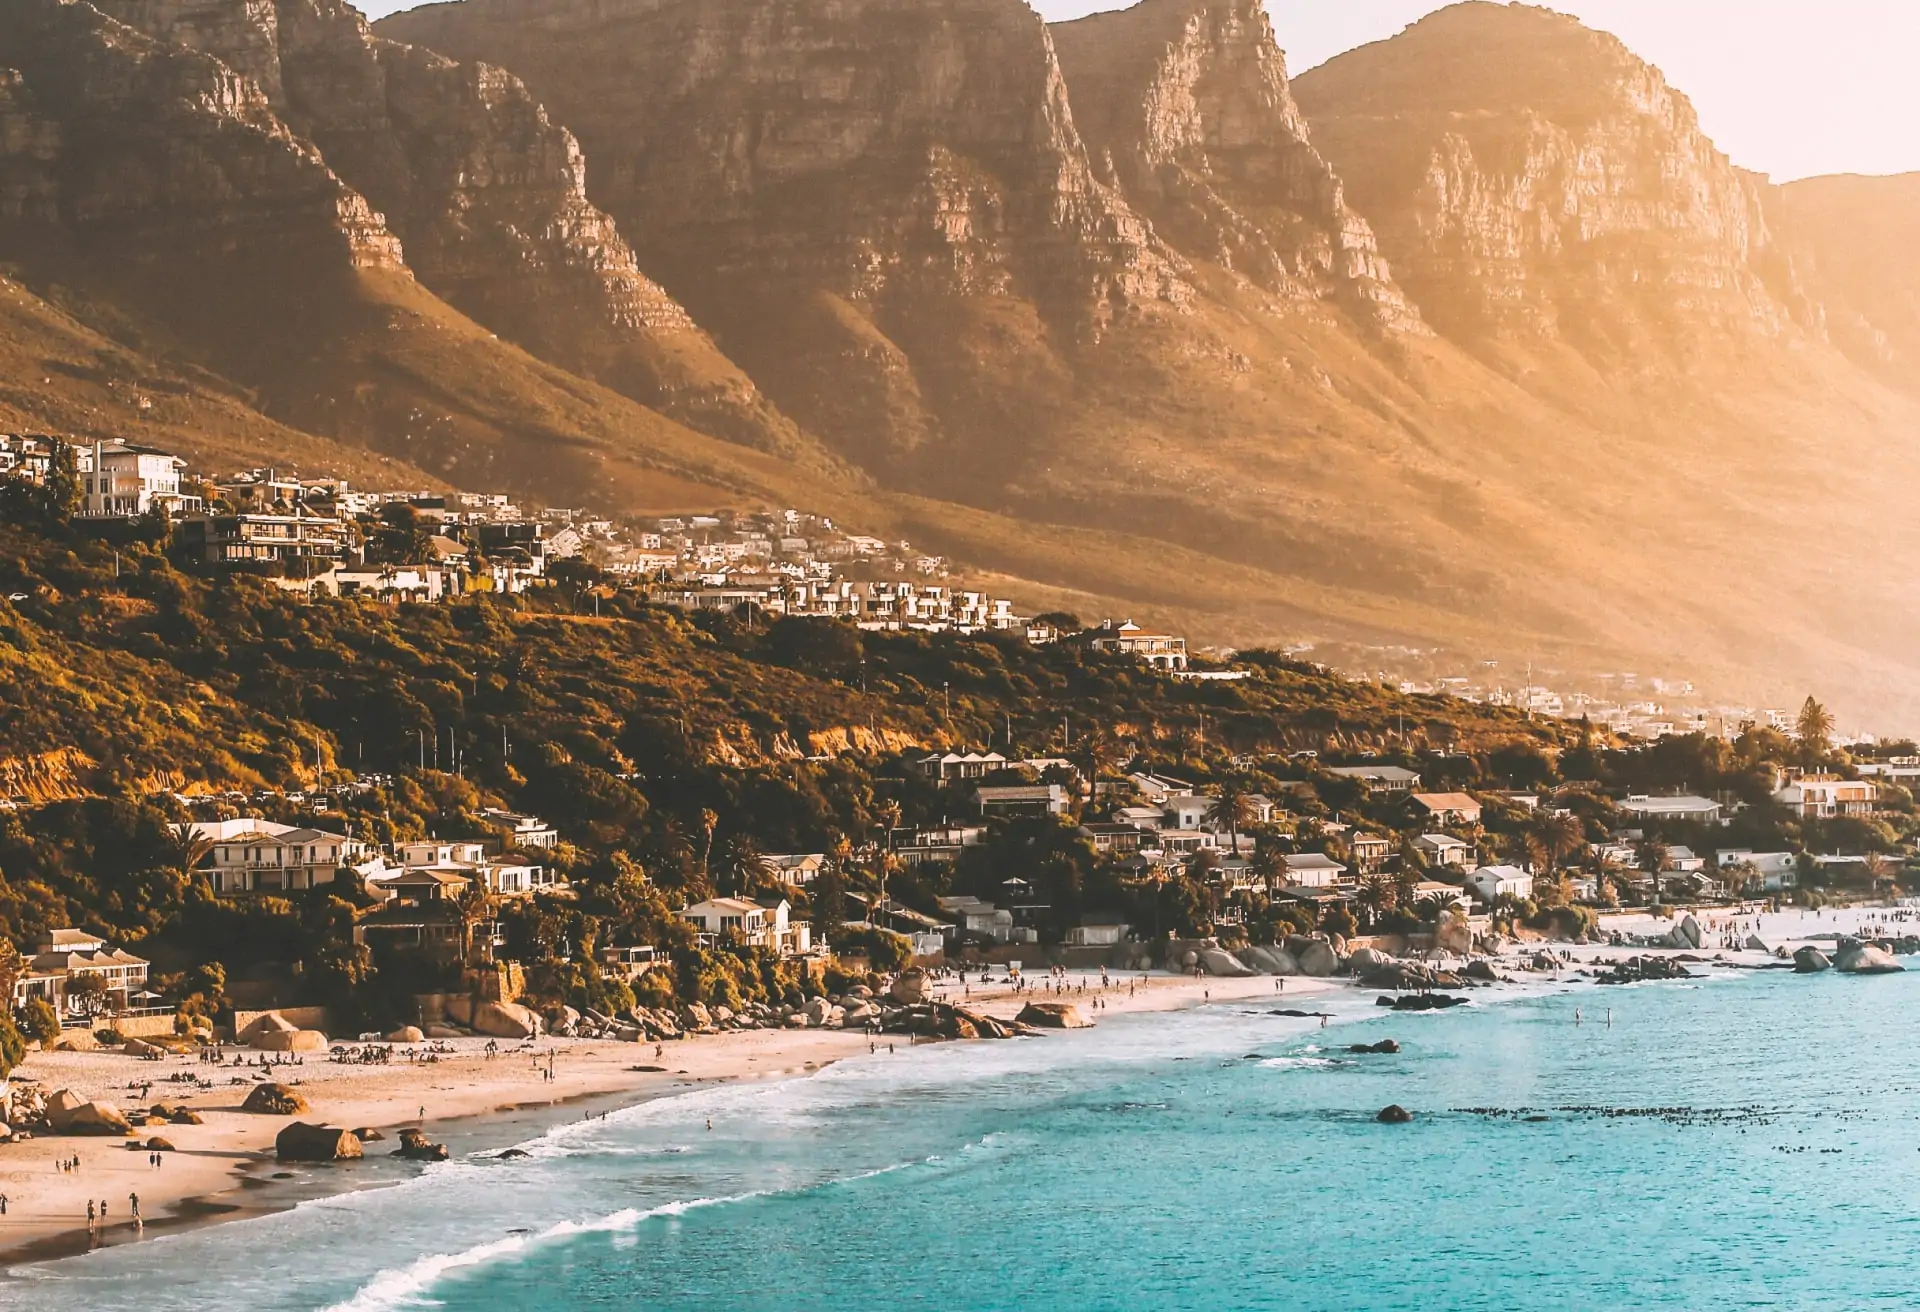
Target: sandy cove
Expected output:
[206,1178]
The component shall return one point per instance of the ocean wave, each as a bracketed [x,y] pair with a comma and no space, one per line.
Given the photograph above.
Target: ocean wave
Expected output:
[408,1286]
[1297,1063]
[404,1286]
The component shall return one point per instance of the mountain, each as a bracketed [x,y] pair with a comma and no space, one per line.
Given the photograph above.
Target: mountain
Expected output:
[485,193]
[1856,242]
[1469,342]
[880,207]
[1187,104]
[1537,183]
[154,194]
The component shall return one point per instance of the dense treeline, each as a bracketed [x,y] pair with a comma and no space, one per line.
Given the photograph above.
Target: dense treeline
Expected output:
[672,751]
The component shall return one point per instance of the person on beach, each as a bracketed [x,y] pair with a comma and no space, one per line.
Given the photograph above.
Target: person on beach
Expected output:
[133,1201]
[91,1219]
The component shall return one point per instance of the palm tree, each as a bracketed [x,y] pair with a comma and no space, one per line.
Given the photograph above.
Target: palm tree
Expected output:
[188,850]
[1269,863]
[1406,888]
[708,820]
[1815,727]
[1100,754]
[474,907]
[1375,897]
[1233,808]
[742,865]
[1877,870]
[1655,859]
[1555,836]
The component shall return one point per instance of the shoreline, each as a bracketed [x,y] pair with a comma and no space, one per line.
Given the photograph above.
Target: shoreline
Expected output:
[225,1170]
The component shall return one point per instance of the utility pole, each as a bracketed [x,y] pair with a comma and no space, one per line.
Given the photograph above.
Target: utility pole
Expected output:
[423,749]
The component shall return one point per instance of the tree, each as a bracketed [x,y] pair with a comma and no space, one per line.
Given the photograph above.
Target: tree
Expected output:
[1556,835]
[709,819]
[1232,809]
[474,907]
[828,899]
[88,994]
[742,867]
[1375,898]
[13,1048]
[1655,859]
[40,1021]
[63,482]
[1814,727]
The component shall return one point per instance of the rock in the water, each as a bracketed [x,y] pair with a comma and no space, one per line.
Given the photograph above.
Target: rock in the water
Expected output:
[1384,1047]
[1053,1016]
[274,1100]
[300,1142]
[1394,1114]
[415,1147]
[1856,958]
[367,1134]
[1811,961]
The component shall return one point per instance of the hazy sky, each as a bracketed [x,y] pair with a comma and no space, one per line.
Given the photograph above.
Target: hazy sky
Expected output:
[1789,87]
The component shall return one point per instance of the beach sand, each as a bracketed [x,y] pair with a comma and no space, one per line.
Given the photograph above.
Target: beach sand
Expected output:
[208,1178]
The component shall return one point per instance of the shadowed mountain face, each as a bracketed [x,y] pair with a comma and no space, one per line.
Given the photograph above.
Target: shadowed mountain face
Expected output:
[1535,182]
[485,193]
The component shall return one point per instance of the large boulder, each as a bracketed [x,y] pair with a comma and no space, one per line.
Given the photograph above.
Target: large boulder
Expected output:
[1690,933]
[1364,960]
[1218,961]
[818,1011]
[910,987]
[506,1020]
[407,1034]
[274,1100]
[1318,959]
[291,1041]
[1394,1114]
[300,1142]
[1452,933]
[76,1041]
[1053,1016]
[860,1014]
[67,1113]
[1811,961]
[1757,944]
[141,1048]
[460,1010]
[271,1022]
[695,1016]
[416,1147]
[1856,958]
[446,1032]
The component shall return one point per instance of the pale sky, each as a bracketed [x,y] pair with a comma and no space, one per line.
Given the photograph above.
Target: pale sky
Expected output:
[1787,87]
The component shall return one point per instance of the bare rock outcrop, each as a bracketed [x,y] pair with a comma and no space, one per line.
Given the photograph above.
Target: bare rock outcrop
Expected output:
[1534,181]
[300,1142]
[881,206]
[274,1100]
[1188,103]
[485,191]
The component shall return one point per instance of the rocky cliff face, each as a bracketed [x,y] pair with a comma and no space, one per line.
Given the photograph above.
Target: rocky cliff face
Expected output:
[159,160]
[1856,244]
[486,193]
[1187,102]
[1532,179]
[839,186]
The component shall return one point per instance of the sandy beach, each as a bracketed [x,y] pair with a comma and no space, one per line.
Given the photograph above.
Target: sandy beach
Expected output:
[212,1174]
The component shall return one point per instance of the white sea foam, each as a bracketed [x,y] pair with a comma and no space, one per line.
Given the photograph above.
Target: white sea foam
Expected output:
[1297,1063]
[407,1286]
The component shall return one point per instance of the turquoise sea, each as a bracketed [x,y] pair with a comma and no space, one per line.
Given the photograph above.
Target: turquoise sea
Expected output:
[1745,1141]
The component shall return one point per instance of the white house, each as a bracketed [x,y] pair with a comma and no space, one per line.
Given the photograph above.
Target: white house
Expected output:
[1821,798]
[796,868]
[262,856]
[1160,650]
[1774,871]
[528,831]
[1444,850]
[1448,808]
[759,926]
[1699,810]
[68,954]
[1312,870]
[1490,882]
[1022,799]
[1379,778]
[125,481]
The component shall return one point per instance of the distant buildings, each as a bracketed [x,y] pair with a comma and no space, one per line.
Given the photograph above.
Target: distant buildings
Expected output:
[1698,810]
[65,956]
[1125,638]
